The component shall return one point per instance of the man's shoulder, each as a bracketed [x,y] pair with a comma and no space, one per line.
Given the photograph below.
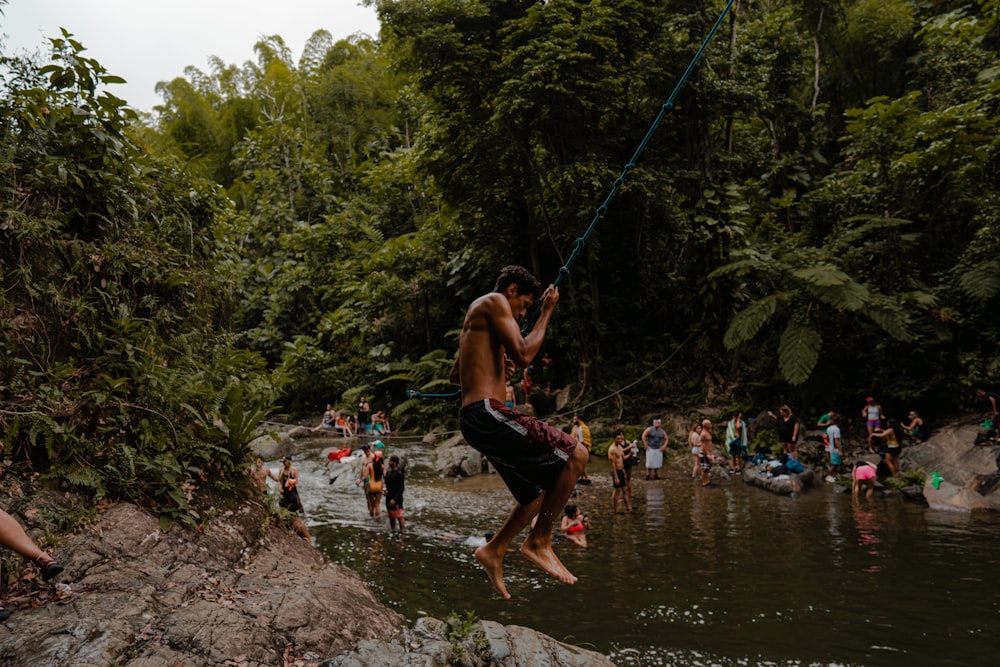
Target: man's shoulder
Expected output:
[487,301]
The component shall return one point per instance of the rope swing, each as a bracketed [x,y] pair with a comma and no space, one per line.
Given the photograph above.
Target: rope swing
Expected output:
[602,210]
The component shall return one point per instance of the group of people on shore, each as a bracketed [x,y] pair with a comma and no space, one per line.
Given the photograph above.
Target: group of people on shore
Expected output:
[364,422]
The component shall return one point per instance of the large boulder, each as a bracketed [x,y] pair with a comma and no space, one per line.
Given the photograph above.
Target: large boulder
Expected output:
[300,432]
[273,445]
[434,643]
[562,398]
[785,484]
[948,496]
[433,436]
[456,458]
[952,452]
[237,591]
[344,473]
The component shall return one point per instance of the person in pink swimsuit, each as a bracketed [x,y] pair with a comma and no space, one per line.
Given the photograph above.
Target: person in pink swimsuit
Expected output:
[863,475]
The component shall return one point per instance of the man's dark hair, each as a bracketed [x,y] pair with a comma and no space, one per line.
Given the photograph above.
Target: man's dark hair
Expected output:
[520,276]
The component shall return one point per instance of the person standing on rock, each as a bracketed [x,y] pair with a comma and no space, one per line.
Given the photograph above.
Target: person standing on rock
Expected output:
[994,400]
[394,485]
[872,412]
[787,429]
[890,436]
[654,440]
[539,463]
[364,415]
[736,443]
[833,447]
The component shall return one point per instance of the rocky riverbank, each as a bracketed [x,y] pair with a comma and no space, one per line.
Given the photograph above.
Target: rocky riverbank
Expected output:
[243,592]
[967,465]
[238,592]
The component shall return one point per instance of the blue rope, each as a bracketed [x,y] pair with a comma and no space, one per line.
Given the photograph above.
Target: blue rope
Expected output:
[618,182]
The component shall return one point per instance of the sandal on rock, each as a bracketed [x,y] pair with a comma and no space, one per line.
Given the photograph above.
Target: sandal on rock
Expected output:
[49,567]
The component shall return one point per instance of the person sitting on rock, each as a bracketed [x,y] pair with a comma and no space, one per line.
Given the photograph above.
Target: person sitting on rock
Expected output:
[329,419]
[915,428]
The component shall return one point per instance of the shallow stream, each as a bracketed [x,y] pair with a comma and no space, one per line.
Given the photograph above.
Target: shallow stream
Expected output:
[732,575]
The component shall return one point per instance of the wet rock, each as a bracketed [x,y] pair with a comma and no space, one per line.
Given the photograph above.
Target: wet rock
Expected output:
[562,398]
[455,458]
[785,484]
[344,473]
[487,643]
[299,432]
[434,436]
[238,592]
[948,496]
[952,452]
[273,445]
[915,493]
[984,484]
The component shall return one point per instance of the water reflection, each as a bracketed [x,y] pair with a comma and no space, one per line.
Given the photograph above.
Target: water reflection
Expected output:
[867,523]
[726,576]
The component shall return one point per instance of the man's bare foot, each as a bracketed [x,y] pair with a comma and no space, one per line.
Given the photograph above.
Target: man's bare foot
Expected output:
[545,558]
[493,564]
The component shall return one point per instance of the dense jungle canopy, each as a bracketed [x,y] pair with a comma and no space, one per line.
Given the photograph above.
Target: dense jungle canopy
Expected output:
[818,218]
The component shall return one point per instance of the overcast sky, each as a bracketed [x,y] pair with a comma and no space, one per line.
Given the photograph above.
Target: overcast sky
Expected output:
[146,41]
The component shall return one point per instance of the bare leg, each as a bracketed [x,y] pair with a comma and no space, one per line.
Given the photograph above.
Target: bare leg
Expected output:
[13,537]
[538,546]
[491,554]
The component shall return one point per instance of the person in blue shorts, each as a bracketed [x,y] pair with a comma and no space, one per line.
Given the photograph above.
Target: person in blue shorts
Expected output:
[834,446]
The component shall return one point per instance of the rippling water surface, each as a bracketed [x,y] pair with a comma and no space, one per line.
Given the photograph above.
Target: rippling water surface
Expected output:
[727,576]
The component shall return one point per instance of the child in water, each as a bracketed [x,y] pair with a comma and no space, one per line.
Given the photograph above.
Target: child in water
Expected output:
[573,526]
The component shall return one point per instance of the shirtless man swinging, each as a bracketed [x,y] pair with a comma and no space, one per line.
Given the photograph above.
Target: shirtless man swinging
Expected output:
[540,464]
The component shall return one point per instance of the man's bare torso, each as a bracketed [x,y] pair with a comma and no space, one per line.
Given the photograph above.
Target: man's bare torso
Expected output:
[481,372]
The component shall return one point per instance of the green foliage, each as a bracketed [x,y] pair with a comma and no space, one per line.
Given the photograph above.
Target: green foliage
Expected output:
[820,202]
[466,632]
[907,478]
[112,300]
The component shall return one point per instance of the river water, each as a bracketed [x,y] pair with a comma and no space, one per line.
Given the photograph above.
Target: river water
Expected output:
[732,575]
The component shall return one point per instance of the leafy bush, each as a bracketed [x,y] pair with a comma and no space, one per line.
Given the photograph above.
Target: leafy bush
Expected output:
[118,376]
